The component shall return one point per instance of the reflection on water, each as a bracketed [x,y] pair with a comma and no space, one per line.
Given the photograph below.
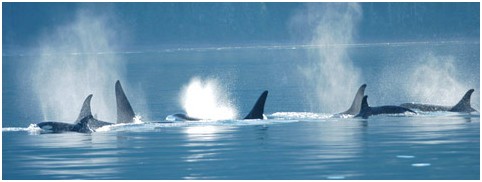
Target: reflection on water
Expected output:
[332,143]
[340,139]
[437,147]
[429,130]
[67,167]
[69,155]
[60,140]
[203,133]
[203,145]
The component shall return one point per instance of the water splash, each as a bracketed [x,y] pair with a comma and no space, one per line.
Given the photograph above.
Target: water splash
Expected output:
[73,63]
[207,99]
[330,77]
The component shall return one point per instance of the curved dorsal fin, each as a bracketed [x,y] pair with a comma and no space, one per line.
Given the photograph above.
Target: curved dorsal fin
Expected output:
[464,103]
[85,111]
[258,108]
[125,114]
[356,105]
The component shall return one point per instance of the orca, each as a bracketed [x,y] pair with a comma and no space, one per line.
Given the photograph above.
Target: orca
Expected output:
[256,112]
[59,127]
[356,105]
[125,113]
[80,125]
[462,106]
[86,123]
[367,111]
[182,117]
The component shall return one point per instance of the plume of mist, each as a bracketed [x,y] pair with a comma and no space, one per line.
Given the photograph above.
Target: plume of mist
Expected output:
[435,80]
[77,59]
[331,79]
[426,78]
[207,99]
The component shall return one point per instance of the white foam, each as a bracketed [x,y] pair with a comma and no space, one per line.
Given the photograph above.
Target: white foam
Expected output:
[120,126]
[152,125]
[171,118]
[137,119]
[32,128]
[14,129]
[299,115]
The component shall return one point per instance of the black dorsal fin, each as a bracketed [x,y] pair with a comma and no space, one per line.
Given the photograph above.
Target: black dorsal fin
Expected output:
[464,103]
[258,108]
[356,105]
[365,109]
[83,125]
[85,111]
[364,103]
[125,114]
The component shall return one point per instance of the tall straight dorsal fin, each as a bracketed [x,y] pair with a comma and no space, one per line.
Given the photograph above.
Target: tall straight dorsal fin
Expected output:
[125,114]
[85,111]
[464,103]
[258,108]
[356,105]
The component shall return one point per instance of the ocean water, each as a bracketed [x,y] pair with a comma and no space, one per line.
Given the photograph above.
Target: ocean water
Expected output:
[293,143]
[435,147]
[50,65]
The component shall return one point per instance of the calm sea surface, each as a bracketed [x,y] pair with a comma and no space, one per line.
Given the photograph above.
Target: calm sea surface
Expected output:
[296,142]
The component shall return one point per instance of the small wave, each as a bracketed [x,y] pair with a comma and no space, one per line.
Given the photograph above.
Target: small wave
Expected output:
[256,122]
[447,113]
[153,125]
[299,115]
[141,126]
[30,128]
[121,126]
[14,129]
[405,114]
